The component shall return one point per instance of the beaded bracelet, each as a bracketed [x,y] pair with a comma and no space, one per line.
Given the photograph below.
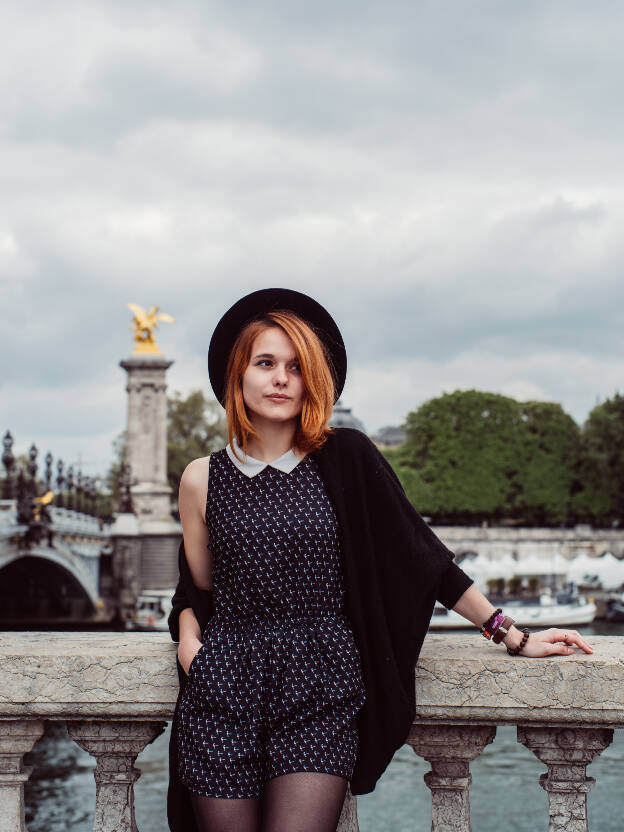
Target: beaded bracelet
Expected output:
[489,627]
[513,651]
[491,618]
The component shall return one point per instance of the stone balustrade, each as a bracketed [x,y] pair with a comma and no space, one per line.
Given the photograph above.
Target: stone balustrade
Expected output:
[117,691]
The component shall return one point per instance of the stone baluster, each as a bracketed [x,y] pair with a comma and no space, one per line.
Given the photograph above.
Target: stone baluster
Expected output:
[450,750]
[566,752]
[348,817]
[115,746]
[16,738]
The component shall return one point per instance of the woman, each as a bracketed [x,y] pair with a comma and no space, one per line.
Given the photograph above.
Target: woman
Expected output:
[307,583]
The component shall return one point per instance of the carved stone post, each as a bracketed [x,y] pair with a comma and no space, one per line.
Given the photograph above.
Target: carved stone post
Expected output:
[115,746]
[348,817]
[16,738]
[566,752]
[450,749]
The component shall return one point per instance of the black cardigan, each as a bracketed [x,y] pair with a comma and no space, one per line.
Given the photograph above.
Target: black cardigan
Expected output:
[395,568]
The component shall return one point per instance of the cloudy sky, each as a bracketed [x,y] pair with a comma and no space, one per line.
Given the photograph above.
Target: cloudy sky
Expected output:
[445,177]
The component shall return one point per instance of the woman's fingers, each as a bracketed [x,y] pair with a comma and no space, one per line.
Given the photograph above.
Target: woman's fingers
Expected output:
[564,649]
[570,637]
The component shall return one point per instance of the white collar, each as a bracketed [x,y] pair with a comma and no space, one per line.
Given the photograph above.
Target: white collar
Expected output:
[250,466]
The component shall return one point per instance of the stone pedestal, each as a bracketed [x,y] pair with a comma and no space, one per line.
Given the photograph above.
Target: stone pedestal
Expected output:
[115,746]
[146,453]
[126,563]
[566,752]
[159,555]
[16,738]
[450,750]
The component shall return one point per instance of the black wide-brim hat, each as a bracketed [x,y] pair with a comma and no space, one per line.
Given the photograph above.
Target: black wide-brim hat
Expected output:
[256,305]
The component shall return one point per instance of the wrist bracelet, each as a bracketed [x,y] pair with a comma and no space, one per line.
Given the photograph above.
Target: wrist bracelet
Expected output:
[503,630]
[489,627]
[515,650]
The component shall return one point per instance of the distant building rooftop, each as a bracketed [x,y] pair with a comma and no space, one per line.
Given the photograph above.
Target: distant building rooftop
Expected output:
[343,418]
[389,437]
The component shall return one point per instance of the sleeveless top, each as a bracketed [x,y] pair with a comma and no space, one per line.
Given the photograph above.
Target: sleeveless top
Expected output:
[277,588]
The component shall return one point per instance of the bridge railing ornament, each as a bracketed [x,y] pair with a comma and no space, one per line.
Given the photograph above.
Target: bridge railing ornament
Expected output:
[8,461]
[60,483]
[67,488]
[78,677]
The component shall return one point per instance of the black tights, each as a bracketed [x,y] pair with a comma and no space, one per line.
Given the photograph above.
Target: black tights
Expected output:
[299,802]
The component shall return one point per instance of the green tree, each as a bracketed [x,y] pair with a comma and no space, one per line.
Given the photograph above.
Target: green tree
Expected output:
[549,469]
[600,498]
[196,426]
[113,478]
[460,460]
[472,456]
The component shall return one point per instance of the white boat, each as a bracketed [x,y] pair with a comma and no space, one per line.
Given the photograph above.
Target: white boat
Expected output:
[547,613]
[152,610]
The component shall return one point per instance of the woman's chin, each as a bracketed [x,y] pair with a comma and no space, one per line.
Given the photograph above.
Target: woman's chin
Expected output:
[273,415]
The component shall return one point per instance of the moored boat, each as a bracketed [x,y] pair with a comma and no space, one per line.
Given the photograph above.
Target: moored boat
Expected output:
[547,613]
[152,610]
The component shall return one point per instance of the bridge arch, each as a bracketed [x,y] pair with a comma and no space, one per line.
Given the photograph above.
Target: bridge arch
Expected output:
[36,586]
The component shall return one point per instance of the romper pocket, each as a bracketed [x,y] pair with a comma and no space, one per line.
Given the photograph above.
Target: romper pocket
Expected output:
[193,663]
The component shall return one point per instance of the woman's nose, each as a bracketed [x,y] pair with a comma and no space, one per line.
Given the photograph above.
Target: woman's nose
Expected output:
[280,376]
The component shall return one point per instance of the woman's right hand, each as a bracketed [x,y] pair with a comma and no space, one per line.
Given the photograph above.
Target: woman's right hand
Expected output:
[187,650]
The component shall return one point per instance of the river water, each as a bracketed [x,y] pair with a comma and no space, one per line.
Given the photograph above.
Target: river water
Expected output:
[505,793]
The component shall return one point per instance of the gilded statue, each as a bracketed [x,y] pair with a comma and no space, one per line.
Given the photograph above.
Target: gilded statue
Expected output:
[143,325]
[41,503]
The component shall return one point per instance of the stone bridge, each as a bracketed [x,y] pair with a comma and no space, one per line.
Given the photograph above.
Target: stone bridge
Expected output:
[117,691]
[84,571]
[62,571]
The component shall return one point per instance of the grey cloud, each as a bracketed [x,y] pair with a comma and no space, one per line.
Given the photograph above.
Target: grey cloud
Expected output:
[445,178]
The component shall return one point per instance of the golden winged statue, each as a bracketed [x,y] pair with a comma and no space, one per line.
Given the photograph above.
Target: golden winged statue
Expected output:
[42,502]
[143,325]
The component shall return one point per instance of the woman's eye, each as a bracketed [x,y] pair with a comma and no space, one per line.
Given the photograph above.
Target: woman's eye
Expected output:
[268,361]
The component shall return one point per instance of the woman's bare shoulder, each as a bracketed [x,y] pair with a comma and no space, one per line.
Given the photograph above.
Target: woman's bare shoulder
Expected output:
[195,474]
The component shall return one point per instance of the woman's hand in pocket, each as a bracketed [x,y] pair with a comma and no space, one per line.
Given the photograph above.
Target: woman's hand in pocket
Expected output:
[187,650]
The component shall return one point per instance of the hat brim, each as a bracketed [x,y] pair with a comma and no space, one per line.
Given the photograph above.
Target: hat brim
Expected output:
[255,305]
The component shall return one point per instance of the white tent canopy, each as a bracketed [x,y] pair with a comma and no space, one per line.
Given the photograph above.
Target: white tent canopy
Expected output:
[554,565]
[608,568]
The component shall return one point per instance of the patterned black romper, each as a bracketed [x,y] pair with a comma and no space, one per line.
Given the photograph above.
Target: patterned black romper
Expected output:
[277,684]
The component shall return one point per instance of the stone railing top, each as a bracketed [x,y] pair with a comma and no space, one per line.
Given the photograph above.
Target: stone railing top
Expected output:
[577,534]
[459,679]
[63,520]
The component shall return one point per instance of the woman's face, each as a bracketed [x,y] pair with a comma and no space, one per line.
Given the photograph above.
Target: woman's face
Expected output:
[272,383]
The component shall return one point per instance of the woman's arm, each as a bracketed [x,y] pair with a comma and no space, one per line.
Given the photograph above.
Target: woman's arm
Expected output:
[190,638]
[192,505]
[475,607]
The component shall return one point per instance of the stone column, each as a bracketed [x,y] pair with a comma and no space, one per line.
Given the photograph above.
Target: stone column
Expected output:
[566,752]
[146,435]
[450,749]
[115,746]
[146,453]
[16,738]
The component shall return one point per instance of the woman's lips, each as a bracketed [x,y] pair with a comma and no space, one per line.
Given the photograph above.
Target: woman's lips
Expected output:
[279,398]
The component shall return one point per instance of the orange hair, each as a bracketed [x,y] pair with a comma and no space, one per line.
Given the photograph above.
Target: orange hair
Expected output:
[312,429]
